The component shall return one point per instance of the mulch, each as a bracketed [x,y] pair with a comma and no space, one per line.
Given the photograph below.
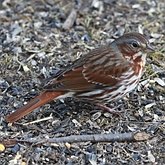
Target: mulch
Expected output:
[38,38]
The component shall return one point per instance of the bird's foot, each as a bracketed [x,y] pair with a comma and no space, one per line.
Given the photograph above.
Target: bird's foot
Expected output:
[108,109]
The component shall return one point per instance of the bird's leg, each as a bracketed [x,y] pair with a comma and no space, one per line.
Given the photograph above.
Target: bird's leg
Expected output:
[108,109]
[102,107]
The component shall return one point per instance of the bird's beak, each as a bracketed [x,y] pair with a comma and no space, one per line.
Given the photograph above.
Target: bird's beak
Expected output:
[149,47]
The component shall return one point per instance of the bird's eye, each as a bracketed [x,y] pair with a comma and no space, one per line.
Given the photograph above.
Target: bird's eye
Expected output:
[134,44]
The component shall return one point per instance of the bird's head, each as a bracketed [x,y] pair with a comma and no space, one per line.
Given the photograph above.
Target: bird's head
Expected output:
[133,45]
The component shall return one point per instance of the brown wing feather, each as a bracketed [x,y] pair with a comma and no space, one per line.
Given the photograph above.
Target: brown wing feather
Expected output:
[107,68]
[72,80]
[98,67]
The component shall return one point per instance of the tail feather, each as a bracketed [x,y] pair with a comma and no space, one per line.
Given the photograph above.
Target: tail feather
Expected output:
[38,101]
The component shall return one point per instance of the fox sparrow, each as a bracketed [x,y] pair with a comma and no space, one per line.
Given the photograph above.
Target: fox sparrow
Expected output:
[103,74]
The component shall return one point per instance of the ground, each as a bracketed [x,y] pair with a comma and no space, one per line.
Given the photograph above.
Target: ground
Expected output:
[36,44]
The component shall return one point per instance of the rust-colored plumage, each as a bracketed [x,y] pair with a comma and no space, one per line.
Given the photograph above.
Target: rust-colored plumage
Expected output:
[104,74]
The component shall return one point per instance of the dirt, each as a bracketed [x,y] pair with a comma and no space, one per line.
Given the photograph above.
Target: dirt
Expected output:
[35,45]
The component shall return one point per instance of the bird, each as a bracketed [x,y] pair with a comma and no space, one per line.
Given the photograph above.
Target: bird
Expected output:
[102,75]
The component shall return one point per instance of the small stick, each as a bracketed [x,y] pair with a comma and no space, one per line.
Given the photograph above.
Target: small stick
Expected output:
[119,137]
[72,16]
[70,20]
[40,120]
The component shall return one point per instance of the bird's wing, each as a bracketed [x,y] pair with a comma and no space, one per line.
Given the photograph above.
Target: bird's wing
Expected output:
[99,67]
[106,68]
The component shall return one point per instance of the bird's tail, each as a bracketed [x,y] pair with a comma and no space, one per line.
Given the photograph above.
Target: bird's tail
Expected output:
[38,101]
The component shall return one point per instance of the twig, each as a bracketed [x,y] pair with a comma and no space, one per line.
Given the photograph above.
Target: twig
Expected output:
[70,20]
[40,120]
[119,137]
[72,16]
